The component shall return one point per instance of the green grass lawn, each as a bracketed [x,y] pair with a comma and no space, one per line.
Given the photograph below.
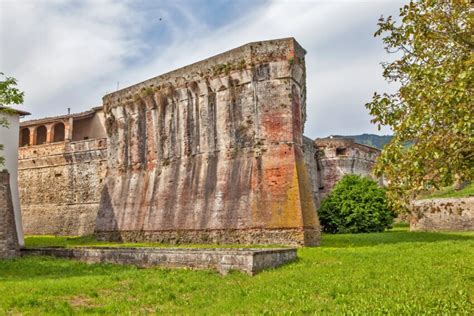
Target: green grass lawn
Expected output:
[450,192]
[396,272]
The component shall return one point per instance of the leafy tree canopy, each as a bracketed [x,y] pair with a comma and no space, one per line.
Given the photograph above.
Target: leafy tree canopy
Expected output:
[433,107]
[9,94]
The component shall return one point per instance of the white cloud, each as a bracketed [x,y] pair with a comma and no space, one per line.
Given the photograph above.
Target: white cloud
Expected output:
[71,56]
[59,52]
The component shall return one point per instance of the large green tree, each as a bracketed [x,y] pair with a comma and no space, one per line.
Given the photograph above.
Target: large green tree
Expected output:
[432,110]
[9,94]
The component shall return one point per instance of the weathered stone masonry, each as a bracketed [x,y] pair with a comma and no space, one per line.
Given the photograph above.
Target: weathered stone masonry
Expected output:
[448,214]
[61,181]
[212,152]
[340,156]
[9,246]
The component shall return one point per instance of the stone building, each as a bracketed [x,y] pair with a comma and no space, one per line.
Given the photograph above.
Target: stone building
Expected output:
[62,163]
[340,156]
[211,152]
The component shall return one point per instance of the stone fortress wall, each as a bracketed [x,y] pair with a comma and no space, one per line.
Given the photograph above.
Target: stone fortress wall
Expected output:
[9,246]
[61,173]
[341,156]
[212,152]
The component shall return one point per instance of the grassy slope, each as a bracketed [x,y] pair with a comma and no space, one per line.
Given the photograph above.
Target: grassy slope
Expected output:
[395,272]
[450,192]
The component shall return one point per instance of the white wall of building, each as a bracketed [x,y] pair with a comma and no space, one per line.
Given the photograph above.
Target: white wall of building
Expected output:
[9,137]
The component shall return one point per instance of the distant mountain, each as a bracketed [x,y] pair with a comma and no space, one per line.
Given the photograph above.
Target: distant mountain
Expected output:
[373,140]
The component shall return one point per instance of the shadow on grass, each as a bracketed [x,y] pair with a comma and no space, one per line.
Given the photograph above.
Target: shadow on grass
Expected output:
[389,237]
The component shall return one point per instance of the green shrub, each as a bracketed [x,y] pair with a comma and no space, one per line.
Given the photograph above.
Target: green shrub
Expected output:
[355,205]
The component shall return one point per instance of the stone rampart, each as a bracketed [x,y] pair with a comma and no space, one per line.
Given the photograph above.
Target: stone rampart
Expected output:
[447,214]
[341,156]
[212,152]
[60,186]
[9,246]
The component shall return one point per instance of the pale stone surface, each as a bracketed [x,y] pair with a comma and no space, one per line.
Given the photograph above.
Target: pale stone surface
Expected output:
[449,214]
[250,261]
[9,246]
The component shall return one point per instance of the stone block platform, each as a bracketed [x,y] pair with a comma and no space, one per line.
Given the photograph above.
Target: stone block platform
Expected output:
[250,261]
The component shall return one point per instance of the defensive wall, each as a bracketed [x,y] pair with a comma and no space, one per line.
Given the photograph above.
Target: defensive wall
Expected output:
[341,156]
[211,152]
[62,163]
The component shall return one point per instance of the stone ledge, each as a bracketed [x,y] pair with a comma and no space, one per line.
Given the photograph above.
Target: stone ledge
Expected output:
[250,261]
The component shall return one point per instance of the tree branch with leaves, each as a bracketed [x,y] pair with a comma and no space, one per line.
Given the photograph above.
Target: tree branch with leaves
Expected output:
[433,109]
[9,95]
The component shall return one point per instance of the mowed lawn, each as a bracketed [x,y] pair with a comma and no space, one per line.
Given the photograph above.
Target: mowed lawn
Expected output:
[395,272]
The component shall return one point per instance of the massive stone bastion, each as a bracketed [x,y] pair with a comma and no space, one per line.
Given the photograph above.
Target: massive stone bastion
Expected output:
[212,152]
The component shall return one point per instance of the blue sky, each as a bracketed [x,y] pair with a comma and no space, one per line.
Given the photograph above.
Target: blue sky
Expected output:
[70,53]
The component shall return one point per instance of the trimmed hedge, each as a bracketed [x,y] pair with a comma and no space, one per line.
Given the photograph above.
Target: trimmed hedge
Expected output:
[355,205]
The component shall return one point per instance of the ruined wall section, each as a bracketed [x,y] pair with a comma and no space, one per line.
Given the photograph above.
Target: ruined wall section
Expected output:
[61,185]
[444,214]
[9,246]
[339,157]
[212,152]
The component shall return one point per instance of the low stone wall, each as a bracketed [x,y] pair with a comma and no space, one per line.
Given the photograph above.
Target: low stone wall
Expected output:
[8,236]
[451,214]
[250,261]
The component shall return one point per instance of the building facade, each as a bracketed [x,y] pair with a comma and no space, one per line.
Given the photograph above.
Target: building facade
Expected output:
[62,163]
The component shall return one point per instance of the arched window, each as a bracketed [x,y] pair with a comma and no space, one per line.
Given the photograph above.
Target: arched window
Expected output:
[58,132]
[24,137]
[41,135]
